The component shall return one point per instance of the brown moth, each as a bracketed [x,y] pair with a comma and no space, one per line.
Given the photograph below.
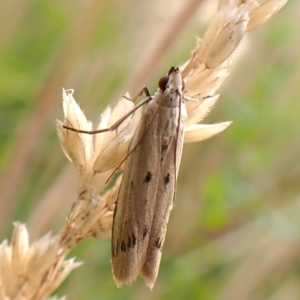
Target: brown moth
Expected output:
[148,186]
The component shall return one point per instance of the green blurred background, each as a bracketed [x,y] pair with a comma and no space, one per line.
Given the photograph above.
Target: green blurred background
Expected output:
[234,230]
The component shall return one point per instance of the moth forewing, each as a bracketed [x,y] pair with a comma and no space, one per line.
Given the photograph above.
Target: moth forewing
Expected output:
[148,187]
[164,200]
[134,212]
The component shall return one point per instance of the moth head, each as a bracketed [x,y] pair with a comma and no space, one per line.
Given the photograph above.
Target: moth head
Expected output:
[173,80]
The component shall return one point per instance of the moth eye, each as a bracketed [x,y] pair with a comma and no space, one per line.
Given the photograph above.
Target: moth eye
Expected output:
[163,83]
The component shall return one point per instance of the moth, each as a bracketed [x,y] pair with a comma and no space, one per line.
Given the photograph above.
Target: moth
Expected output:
[148,186]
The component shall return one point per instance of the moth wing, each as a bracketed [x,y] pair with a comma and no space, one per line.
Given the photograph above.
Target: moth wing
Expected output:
[170,160]
[134,210]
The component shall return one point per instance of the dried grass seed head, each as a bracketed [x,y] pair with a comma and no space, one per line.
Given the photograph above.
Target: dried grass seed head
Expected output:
[23,266]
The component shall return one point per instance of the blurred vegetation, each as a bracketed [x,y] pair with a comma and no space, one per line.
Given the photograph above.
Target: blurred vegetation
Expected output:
[234,230]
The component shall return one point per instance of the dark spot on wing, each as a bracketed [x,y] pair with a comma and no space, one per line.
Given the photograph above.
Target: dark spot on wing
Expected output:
[167,179]
[133,240]
[157,243]
[131,189]
[129,244]
[145,232]
[123,247]
[164,147]
[148,178]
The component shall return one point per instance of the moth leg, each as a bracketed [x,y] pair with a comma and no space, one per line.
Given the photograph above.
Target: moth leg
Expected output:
[144,90]
[120,121]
